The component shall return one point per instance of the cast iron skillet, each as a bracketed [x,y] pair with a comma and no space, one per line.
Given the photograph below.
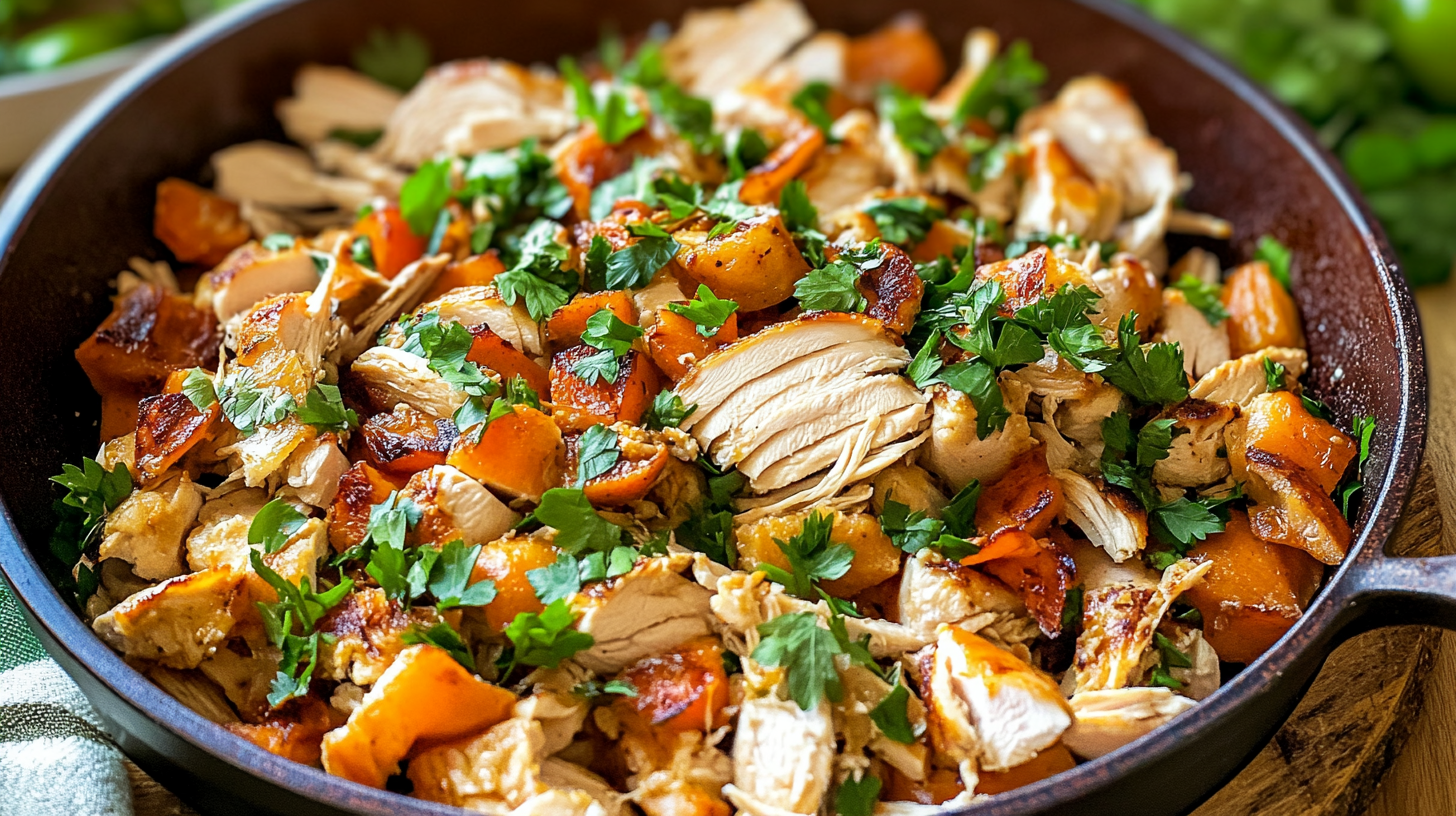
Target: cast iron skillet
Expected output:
[84,205]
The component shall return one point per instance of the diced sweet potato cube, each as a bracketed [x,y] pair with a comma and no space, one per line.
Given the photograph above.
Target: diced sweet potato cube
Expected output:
[765,183]
[876,558]
[390,240]
[360,488]
[1028,497]
[1030,277]
[1261,311]
[1039,571]
[1044,765]
[674,343]
[406,441]
[600,402]
[506,562]
[295,731]
[565,326]
[1254,592]
[477,270]
[148,334]
[639,465]
[757,264]
[1280,424]
[683,689]
[423,697]
[168,425]
[497,354]
[902,53]
[520,454]
[197,225]
[939,786]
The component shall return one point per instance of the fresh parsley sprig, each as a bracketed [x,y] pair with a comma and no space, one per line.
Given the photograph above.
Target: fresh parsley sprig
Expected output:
[904,220]
[1008,87]
[537,276]
[667,411]
[1202,296]
[290,625]
[812,100]
[802,218]
[812,558]
[1363,431]
[275,523]
[606,105]
[614,338]
[543,639]
[914,129]
[707,310]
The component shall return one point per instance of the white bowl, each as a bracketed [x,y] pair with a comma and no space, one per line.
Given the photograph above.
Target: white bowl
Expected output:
[33,105]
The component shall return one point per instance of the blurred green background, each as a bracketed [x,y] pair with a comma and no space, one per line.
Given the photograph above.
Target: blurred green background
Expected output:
[1377,79]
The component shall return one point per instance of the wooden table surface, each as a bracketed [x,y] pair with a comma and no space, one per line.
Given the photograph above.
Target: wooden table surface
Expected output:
[1421,780]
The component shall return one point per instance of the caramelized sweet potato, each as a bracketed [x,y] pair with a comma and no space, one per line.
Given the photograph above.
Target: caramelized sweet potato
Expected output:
[1028,497]
[168,425]
[901,52]
[674,344]
[1280,424]
[477,270]
[1254,592]
[599,402]
[424,696]
[1261,311]
[406,441]
[196,224]
[506,562]
[497,354]
[757,264]
[360,488]
[565,326]
[295,731]
[148,334]
[876,558]
[638,467]
[1039,571]
[390,239]
[682,689]
[939,786]
[1044,765]
[520,454]
[587,160]
[763,184]
[1030,277]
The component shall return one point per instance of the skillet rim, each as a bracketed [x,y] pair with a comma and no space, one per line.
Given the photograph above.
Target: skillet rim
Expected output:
[1312,634]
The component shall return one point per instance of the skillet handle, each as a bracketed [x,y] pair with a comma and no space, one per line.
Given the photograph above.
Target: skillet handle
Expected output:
[1392,591]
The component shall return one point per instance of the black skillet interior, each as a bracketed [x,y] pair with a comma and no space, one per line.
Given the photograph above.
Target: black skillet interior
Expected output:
[1251,166]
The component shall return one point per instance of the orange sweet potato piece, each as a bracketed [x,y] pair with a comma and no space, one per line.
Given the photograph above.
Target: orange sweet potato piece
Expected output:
[1261,311]
[295,731]
[360,488]
[1280,424]
[587,160]
[764,183]
[683,689]
[757,264]
[902,52]
[168,425]
[1038,571]
[149,334]
[424,696]
[406,441]
[1044,765]
[876,558]
[477,270]
[895,290]
[599,402]
[939,786]
[1254,592]
[506,562]
[390,239]
[1028,497]
[638,467]
[565,326]
[520,454]
[198,225]
[674,344]
[1030,277]
[497,354]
